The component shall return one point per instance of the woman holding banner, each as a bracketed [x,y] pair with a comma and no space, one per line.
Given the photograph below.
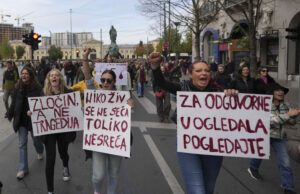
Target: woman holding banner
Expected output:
[101,161]
[199,171]
[55,85]
[27,86]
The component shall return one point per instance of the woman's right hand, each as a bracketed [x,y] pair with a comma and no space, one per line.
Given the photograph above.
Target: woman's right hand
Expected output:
[155,59]
[86,52]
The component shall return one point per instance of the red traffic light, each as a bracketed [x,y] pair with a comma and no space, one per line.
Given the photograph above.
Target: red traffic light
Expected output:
[35,36]
[163,50]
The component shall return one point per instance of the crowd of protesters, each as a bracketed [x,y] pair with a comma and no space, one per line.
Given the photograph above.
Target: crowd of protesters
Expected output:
[199,172]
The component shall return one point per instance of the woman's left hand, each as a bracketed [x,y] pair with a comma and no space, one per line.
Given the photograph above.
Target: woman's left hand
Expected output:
[29,113]
[130,102]
[231,92]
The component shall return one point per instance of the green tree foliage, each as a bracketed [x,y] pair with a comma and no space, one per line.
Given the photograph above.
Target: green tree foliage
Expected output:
[184,45]
[20,51]
[150,48]
[55,53]
[6,50]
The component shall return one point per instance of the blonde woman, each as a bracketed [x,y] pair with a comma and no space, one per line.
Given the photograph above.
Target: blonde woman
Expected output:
[55,85]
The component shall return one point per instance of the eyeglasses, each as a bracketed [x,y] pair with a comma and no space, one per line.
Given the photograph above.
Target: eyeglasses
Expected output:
[264,71]
[103,80]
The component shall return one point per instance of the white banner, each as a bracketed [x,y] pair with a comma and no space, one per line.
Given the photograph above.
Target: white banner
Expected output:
[107,122]
[119,68]
[56,113]
[215,124]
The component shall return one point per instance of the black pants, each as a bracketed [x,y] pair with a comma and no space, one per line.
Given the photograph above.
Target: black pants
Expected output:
[163,105]
[50,145]
[70,78]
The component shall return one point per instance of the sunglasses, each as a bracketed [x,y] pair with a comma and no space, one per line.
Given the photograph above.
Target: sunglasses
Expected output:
[103,80]
[264,71]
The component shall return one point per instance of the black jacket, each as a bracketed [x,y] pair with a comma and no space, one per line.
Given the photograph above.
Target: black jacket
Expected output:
[260,86]
[185,85]
[243,87]
[19,106]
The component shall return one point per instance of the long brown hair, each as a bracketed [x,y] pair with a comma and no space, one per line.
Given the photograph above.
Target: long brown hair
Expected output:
[33,82]
[48,88]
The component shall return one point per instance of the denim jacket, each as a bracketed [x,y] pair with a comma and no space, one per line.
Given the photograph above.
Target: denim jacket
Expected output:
[279,118]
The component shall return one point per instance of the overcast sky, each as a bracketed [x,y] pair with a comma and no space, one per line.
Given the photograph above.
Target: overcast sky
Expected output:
[87,16]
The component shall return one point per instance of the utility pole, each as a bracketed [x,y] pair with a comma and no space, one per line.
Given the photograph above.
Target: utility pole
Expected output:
[169,49]
[147,48]
[101,43]
[165,27]
[71,34]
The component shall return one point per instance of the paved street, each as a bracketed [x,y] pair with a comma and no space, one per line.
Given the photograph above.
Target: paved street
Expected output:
[152,168]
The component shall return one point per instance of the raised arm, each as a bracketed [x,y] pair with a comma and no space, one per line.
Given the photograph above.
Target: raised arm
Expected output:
[155,60]
[85,64]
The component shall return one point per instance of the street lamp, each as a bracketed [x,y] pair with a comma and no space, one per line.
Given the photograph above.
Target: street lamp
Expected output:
[176,35]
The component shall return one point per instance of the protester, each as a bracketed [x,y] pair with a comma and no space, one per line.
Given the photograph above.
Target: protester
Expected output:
[70,71]
[222,78]
[199,171]
[281,114]
[213,67]
[162,97]
[10,78]
[141,79]
[230,67]
[243,82]
[55,85]
[263,79]
[42,70]
[175,73]
[103,161]
[15,67]
[27,86]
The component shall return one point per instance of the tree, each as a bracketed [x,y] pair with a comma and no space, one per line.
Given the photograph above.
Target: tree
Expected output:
[149,48]
[20,51]
[188,12]
[252,13]
[6,50]
[55,53]
[140,50]
[187,44]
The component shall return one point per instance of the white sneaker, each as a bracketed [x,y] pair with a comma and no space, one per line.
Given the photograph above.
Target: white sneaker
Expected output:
[21,174]
[66,174]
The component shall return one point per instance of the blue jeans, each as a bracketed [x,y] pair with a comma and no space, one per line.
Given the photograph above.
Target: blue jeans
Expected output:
[285,171]
[23,133]
[141,88]
[199,172]
[99,169]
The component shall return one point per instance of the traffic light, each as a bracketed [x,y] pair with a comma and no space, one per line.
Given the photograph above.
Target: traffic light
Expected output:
[32,39]
[35,41]
[77,53]
[26,39]
[294,33]
[164,52]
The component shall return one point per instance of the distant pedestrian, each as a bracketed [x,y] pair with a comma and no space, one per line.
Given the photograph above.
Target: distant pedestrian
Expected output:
[281,114]
[263,79]
[222,78]
[10,78]
[141,79]
[70,73]
[230,68]
[162,98]
[42,70]
[27,86]
[213,67]
[243,82]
